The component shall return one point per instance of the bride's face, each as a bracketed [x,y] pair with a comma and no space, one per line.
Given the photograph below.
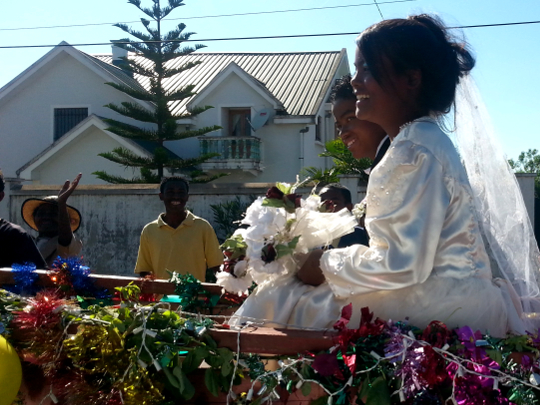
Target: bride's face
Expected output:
[387,105]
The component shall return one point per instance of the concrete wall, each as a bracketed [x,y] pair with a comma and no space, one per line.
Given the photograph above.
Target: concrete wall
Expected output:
[114,215]
[526,184]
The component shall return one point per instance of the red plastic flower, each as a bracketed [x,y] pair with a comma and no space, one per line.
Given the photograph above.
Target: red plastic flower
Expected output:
[326,364]
[274,193]
[268,253]
[436,334]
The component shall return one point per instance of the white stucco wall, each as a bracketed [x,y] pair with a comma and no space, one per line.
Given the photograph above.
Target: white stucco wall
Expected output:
[81,156]
[283,152]
[26,114]
[280,144]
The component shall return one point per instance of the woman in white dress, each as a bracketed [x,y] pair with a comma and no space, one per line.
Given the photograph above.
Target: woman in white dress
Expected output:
[427,259]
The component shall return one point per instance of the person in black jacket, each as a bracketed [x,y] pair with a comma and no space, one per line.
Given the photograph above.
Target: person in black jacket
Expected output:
[16,246]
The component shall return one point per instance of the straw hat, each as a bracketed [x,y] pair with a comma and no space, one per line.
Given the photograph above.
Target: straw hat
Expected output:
[31,204]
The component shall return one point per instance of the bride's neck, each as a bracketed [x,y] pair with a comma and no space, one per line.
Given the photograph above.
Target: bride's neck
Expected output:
[393,128]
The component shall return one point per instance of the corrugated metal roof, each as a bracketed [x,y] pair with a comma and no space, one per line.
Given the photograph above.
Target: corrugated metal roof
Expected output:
[298,80]
[118,74]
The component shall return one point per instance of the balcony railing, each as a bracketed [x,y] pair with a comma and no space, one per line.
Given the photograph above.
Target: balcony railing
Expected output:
[235,152]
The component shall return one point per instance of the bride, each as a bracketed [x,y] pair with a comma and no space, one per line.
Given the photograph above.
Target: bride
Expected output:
[439,233]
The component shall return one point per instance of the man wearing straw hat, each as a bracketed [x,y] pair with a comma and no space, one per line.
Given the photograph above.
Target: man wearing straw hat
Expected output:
[55,222]
[16,246]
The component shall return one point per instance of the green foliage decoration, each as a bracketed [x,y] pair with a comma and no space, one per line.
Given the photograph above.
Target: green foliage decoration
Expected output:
[344,163]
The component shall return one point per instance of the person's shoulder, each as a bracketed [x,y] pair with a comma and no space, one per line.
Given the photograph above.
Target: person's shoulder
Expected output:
[151,225]
[426,135]
[427,132]
[200,221]
[8,227]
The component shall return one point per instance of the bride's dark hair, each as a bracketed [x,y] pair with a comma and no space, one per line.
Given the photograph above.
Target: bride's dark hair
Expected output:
[419,42]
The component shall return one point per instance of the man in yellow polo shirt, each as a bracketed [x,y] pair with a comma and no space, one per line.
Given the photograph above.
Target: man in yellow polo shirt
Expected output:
[178,240]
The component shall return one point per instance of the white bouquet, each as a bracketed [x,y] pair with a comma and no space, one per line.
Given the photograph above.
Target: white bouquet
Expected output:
[281,228]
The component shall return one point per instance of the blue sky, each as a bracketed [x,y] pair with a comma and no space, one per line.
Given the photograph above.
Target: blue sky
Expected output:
[507,57]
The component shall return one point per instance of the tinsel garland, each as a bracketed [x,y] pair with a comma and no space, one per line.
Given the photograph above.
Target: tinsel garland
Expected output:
[133,354]
[25,277]
[73,280]
[192,296]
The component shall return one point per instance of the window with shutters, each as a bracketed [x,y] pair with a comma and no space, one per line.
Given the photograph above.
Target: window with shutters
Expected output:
[67,118]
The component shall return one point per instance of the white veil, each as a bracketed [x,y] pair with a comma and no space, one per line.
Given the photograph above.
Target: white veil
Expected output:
[499,203]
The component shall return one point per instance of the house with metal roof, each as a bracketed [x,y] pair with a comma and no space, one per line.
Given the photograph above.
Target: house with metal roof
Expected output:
[271,106]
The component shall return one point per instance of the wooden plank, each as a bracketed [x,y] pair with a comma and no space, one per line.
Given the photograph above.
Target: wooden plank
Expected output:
[274,341]
[111,281]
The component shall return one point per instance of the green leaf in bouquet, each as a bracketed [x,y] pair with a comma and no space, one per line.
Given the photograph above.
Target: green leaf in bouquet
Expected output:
[283,250]
[290,207]
[285,188]
[292,244]
[274,203]
[211,381]
[235,244]
[290,222]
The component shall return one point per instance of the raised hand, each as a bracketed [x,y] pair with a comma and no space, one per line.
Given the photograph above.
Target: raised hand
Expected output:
[67,189]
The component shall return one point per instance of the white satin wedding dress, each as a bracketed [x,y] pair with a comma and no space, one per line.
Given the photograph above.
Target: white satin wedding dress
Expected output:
[426,260]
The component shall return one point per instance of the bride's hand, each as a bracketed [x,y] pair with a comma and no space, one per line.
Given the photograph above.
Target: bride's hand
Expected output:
[310,272]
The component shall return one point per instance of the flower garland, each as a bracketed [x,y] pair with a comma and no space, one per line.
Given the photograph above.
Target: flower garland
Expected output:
[117,355]
[133,354]
[393,362]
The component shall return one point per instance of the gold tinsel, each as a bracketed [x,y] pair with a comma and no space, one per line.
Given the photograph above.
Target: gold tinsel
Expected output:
[100,350]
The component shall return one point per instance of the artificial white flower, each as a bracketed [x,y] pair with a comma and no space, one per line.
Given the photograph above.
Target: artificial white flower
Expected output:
[240,268]
[359,210]
[313,202]
[232,284]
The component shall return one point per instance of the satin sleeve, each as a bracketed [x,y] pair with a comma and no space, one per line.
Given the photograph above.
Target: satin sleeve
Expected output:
[408,196]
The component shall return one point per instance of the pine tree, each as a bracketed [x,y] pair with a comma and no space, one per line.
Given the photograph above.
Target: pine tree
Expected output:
[159,49]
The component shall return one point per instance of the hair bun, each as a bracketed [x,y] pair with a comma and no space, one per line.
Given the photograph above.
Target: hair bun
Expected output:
[458,50]
[419,42]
